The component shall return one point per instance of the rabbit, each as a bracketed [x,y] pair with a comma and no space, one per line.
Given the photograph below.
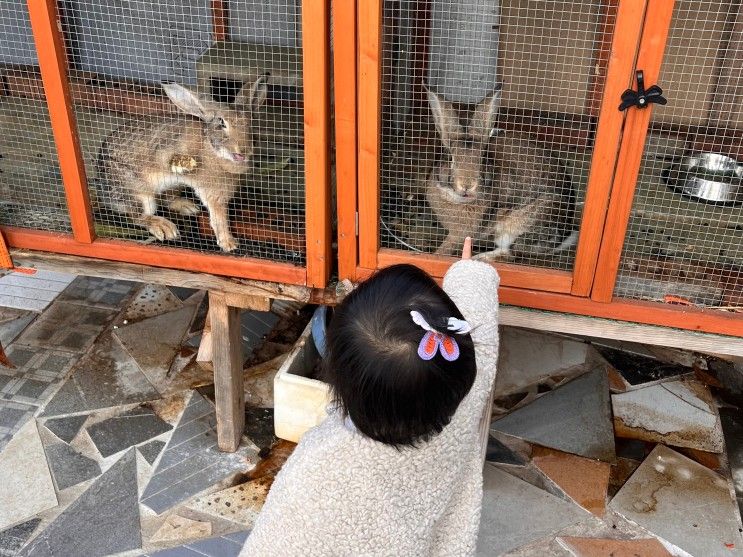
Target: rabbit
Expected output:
[135,162]
[504,188]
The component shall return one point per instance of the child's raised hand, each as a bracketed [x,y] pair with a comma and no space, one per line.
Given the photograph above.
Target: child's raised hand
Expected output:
[467,248]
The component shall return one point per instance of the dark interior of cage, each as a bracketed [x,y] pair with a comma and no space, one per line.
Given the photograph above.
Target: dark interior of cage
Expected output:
[117,65]
[680,247]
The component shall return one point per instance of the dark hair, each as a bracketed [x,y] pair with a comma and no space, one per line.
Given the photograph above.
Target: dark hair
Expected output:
[372,362]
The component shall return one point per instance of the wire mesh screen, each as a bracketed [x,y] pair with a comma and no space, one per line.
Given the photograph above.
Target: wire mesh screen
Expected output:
[190,119]
[488,120]
[31,191]
[685,236]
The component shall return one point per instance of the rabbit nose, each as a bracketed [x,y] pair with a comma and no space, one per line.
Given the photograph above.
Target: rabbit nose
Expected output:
[239,157]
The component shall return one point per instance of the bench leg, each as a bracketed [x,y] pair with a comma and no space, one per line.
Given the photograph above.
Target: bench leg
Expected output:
[228,374]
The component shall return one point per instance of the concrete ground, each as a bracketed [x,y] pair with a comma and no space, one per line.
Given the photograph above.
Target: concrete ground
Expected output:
[107,434]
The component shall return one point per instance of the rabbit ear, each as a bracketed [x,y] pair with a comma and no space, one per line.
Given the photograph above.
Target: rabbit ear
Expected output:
[483,119]
[445,117]
[188,101]
[253,95]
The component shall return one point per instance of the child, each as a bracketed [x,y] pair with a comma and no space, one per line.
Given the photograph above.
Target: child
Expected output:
[396,467]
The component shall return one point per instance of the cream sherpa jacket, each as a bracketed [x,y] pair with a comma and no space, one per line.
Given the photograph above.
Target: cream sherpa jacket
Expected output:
[343,494]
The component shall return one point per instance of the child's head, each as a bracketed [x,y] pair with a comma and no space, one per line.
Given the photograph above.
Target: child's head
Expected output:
[391,394]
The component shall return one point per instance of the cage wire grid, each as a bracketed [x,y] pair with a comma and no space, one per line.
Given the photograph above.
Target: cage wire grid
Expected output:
[526,156]
[222,170]
[678,247]
[31,190]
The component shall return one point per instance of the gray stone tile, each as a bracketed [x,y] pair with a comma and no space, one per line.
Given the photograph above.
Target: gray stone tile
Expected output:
[528,357]
[191,463]
[31,292]
[732,426]
[680,413]
[65,428]
[164,335]
[217,547]
[254,326]
[126,430]
[574,418]
[180,551]
[498,452]
[102,521]
[13,415]
[99,292]
[682,502]
[228,545]
[151,300]
[12,539]
[238,537]
[69,467]
[67,326]
[105,377]
[182,293]
[37,374]
[26,488]
[10,329]
[515,513]
[151,450]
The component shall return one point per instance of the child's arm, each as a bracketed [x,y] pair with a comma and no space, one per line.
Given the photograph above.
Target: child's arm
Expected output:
[473,286]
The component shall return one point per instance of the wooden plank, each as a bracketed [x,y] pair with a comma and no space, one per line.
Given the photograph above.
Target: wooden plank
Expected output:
[53,66]
[369,122]
[344,75]
[607,328]
[602,55]
[51,262]
[511,275]
[229,395]
[5,261]
[89,266]
[157,256]
[205,355]
[316,84]
[220,20]
[649,60]
[248,301]
[650,313]
[621,64]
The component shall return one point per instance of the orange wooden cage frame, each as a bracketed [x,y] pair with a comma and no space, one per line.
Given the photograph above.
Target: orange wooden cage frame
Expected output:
[83,241]
[637,39]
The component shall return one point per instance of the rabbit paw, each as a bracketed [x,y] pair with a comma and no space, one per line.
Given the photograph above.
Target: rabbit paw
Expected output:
[184,206]
[162,229]
[499,254]
[227,243]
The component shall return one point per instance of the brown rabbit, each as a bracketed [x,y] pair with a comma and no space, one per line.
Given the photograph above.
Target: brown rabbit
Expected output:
[135,161]
[506,188]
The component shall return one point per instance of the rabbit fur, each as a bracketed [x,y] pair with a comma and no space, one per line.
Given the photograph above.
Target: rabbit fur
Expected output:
[135,161]
[506,188]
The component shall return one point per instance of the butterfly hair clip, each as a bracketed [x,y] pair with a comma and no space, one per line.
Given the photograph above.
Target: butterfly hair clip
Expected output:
[434,341]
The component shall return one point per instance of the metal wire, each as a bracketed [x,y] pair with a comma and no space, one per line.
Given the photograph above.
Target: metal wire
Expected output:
[679,245]
[543,55]
[160,171]
[31,191]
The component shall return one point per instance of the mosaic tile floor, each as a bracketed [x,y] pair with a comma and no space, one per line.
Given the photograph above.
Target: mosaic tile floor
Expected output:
[107,438]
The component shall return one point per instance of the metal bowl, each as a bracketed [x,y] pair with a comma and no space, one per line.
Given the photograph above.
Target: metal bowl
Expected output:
[708,176]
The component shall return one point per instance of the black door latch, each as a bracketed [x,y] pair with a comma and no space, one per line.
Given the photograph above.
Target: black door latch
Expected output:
[642,98]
